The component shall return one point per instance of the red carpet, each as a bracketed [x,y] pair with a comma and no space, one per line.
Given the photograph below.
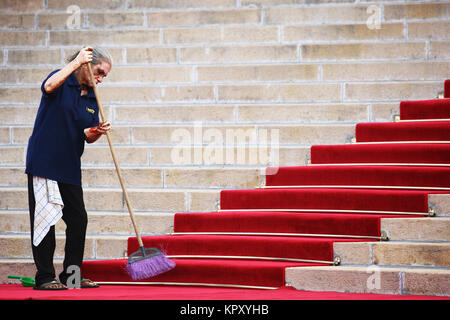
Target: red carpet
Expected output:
[370,189]
[279,222]
[145,292]
[420,153]
[332,175]
[340,199]
[403,131]
[264,246]
[425,109]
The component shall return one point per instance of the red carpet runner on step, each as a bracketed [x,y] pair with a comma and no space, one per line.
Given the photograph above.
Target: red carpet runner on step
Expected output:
[295,219]
[403,131]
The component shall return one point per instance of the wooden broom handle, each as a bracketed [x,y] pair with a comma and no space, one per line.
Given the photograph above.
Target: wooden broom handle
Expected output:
[113,153]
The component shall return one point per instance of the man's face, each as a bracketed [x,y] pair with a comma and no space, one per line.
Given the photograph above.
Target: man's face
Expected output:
[100,71]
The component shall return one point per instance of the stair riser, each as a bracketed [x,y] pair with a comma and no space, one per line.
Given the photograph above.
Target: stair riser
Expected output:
[382,153]
[178,156]
[433,131]
[218,135]
[440,203]
[153,177]
[383,176]
[370,280]
[417,229]
[337,199]
[112,200]
[98,223]
[424,109]
[280,222]
[394,254]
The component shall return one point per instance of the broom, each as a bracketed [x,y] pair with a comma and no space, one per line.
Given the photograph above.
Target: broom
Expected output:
[146,262]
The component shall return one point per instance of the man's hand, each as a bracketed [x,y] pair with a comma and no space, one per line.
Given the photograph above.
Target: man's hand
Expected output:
[94,133]
[84,56]
[103,127]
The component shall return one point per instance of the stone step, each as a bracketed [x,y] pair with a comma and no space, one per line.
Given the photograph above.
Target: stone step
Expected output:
[217,134]
[409,229]
[213,156]
[440,203]
[180,17]
[263,93]
[393,253]
[153,177]
[99,223]
[179,156]
[417,229]
[192,13]
[142,200]
[371,279]
[231,36]
[22,115]
[26,71]
[122,5]
[96,247]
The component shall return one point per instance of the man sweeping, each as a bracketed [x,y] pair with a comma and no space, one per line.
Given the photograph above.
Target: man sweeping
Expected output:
[67,118]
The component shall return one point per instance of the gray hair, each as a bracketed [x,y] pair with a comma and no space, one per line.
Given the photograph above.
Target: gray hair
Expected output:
[98,55]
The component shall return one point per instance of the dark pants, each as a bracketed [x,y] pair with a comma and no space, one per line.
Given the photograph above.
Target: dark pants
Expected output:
[75,217]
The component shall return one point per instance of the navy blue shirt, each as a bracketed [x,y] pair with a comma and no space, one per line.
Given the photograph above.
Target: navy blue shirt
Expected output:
[57,142]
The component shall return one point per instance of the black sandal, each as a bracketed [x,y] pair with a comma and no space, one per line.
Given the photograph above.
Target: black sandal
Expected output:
[52,285]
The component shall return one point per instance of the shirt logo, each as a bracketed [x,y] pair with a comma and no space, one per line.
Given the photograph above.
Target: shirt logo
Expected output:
[90,110]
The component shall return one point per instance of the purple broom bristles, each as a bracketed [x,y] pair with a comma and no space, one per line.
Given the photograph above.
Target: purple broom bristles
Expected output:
[149,267]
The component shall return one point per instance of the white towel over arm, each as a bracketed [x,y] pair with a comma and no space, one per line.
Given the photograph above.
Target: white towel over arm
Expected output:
[48,209]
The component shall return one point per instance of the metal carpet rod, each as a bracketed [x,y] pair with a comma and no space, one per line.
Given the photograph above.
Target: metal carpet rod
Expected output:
[421,120]
[353,187]
[382,164]
[336,261]
[185,284]
[383,237]
[429,213]
[398,142]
